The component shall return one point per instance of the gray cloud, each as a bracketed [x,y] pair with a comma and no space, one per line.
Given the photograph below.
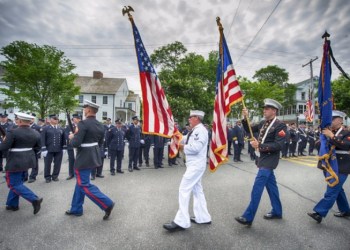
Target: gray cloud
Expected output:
[95,35]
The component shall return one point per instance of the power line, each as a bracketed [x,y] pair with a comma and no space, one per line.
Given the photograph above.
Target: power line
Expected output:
[256,35]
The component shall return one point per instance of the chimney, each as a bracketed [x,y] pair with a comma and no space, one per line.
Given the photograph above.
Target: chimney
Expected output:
[97,75]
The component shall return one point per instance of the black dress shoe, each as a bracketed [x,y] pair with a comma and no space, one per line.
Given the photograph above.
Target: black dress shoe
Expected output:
[37,205]
[130,169]
[12,208]
[136,168]
[48,180]
[342,214]
[108,212]
[172,227]
[193,219]
[316,216]
[68,212]
[92,178]
[120,171]
[175,163]
[31,180]
[160,167]
[55,179]
[112,173]
[271,216]
[70,177]
[100,176]
[243,221]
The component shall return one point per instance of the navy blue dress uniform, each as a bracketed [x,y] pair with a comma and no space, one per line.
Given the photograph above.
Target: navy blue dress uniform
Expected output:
[294,137]
[158,143]
[70,149]
[145,146]
[302,141]
[311,140]
[340,138]
[52,143]
[133,135]
[35,169]
[286,144]
[88,140]
[271,139]
[229,138]
[238,141]
[6,126]
[23,144]
[116,145]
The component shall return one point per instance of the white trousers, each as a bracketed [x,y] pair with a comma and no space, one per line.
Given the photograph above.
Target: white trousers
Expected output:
[191,182]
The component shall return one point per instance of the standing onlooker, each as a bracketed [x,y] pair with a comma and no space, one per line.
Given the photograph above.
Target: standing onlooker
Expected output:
[294,137]
[229,138]
[270,141]
[238,141]
[52,142]
[116,144]
[133,135]
[35,168]
[76,118]
[194,145]
[158,143]
[145,145]
[311,139]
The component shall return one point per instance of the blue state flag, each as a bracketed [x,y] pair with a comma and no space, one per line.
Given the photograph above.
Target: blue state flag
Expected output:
[327,157]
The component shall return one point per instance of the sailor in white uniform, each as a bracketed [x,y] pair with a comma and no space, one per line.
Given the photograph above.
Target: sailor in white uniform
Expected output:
[194,145]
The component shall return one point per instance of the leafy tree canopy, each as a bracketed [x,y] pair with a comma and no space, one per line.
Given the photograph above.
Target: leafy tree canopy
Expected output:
[272,74]
[40,78]
[341,93]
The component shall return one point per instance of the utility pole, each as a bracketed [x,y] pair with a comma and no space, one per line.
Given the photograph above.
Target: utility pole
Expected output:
[312,87]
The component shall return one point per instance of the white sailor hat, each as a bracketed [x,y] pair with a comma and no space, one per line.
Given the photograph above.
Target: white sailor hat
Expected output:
[272,103]
[90,104]
[197,113]
[337,113]
[24,116]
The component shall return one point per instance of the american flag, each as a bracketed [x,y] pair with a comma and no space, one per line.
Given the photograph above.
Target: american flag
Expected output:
[309,112]
[228,92]
[157,115]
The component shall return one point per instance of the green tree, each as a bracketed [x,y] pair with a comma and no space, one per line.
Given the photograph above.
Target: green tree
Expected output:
[188,79]
[40,78]
[272,74]
[341,93]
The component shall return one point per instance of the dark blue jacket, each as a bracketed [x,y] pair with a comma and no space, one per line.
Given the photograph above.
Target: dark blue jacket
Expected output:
[115,139]
[133,135]
[52,139]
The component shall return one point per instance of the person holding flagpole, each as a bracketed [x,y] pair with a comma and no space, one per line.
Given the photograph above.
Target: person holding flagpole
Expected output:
[340,139]
[194,145]
[270,141]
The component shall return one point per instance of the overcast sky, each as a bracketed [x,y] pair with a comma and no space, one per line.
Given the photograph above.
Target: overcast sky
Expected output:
[96,36]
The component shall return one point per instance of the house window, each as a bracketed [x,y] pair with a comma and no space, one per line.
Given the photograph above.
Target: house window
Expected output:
[93,98]
[121,104]
[105,99]
[81,98]
[130,106]
[302,96]
[104,115]
[301,109]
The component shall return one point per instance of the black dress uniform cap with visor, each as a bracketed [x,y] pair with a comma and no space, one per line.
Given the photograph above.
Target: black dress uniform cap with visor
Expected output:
[135,118]
[76,116]
[272,103]
[53,116]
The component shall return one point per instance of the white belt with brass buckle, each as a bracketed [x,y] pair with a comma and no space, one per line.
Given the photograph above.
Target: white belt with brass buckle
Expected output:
[86,145]
[342,152]
[19,149]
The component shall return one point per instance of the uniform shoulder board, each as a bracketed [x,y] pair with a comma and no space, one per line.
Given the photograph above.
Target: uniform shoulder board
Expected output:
[282,133]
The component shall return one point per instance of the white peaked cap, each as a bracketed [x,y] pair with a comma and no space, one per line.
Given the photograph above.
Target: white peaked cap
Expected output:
[337,113]
[272,103]
[24,116]
[91,104]
[197,113]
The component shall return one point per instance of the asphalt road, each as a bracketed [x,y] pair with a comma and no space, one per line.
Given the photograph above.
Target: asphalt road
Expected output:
[148,198]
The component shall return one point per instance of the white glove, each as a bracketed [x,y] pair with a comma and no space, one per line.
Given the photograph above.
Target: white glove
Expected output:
[106,153]
[44,153]
[236,142]
[64,151]
[169,142]
[290,142]
[142,141]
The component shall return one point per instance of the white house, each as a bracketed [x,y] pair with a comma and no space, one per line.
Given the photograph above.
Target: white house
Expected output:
[112,94]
